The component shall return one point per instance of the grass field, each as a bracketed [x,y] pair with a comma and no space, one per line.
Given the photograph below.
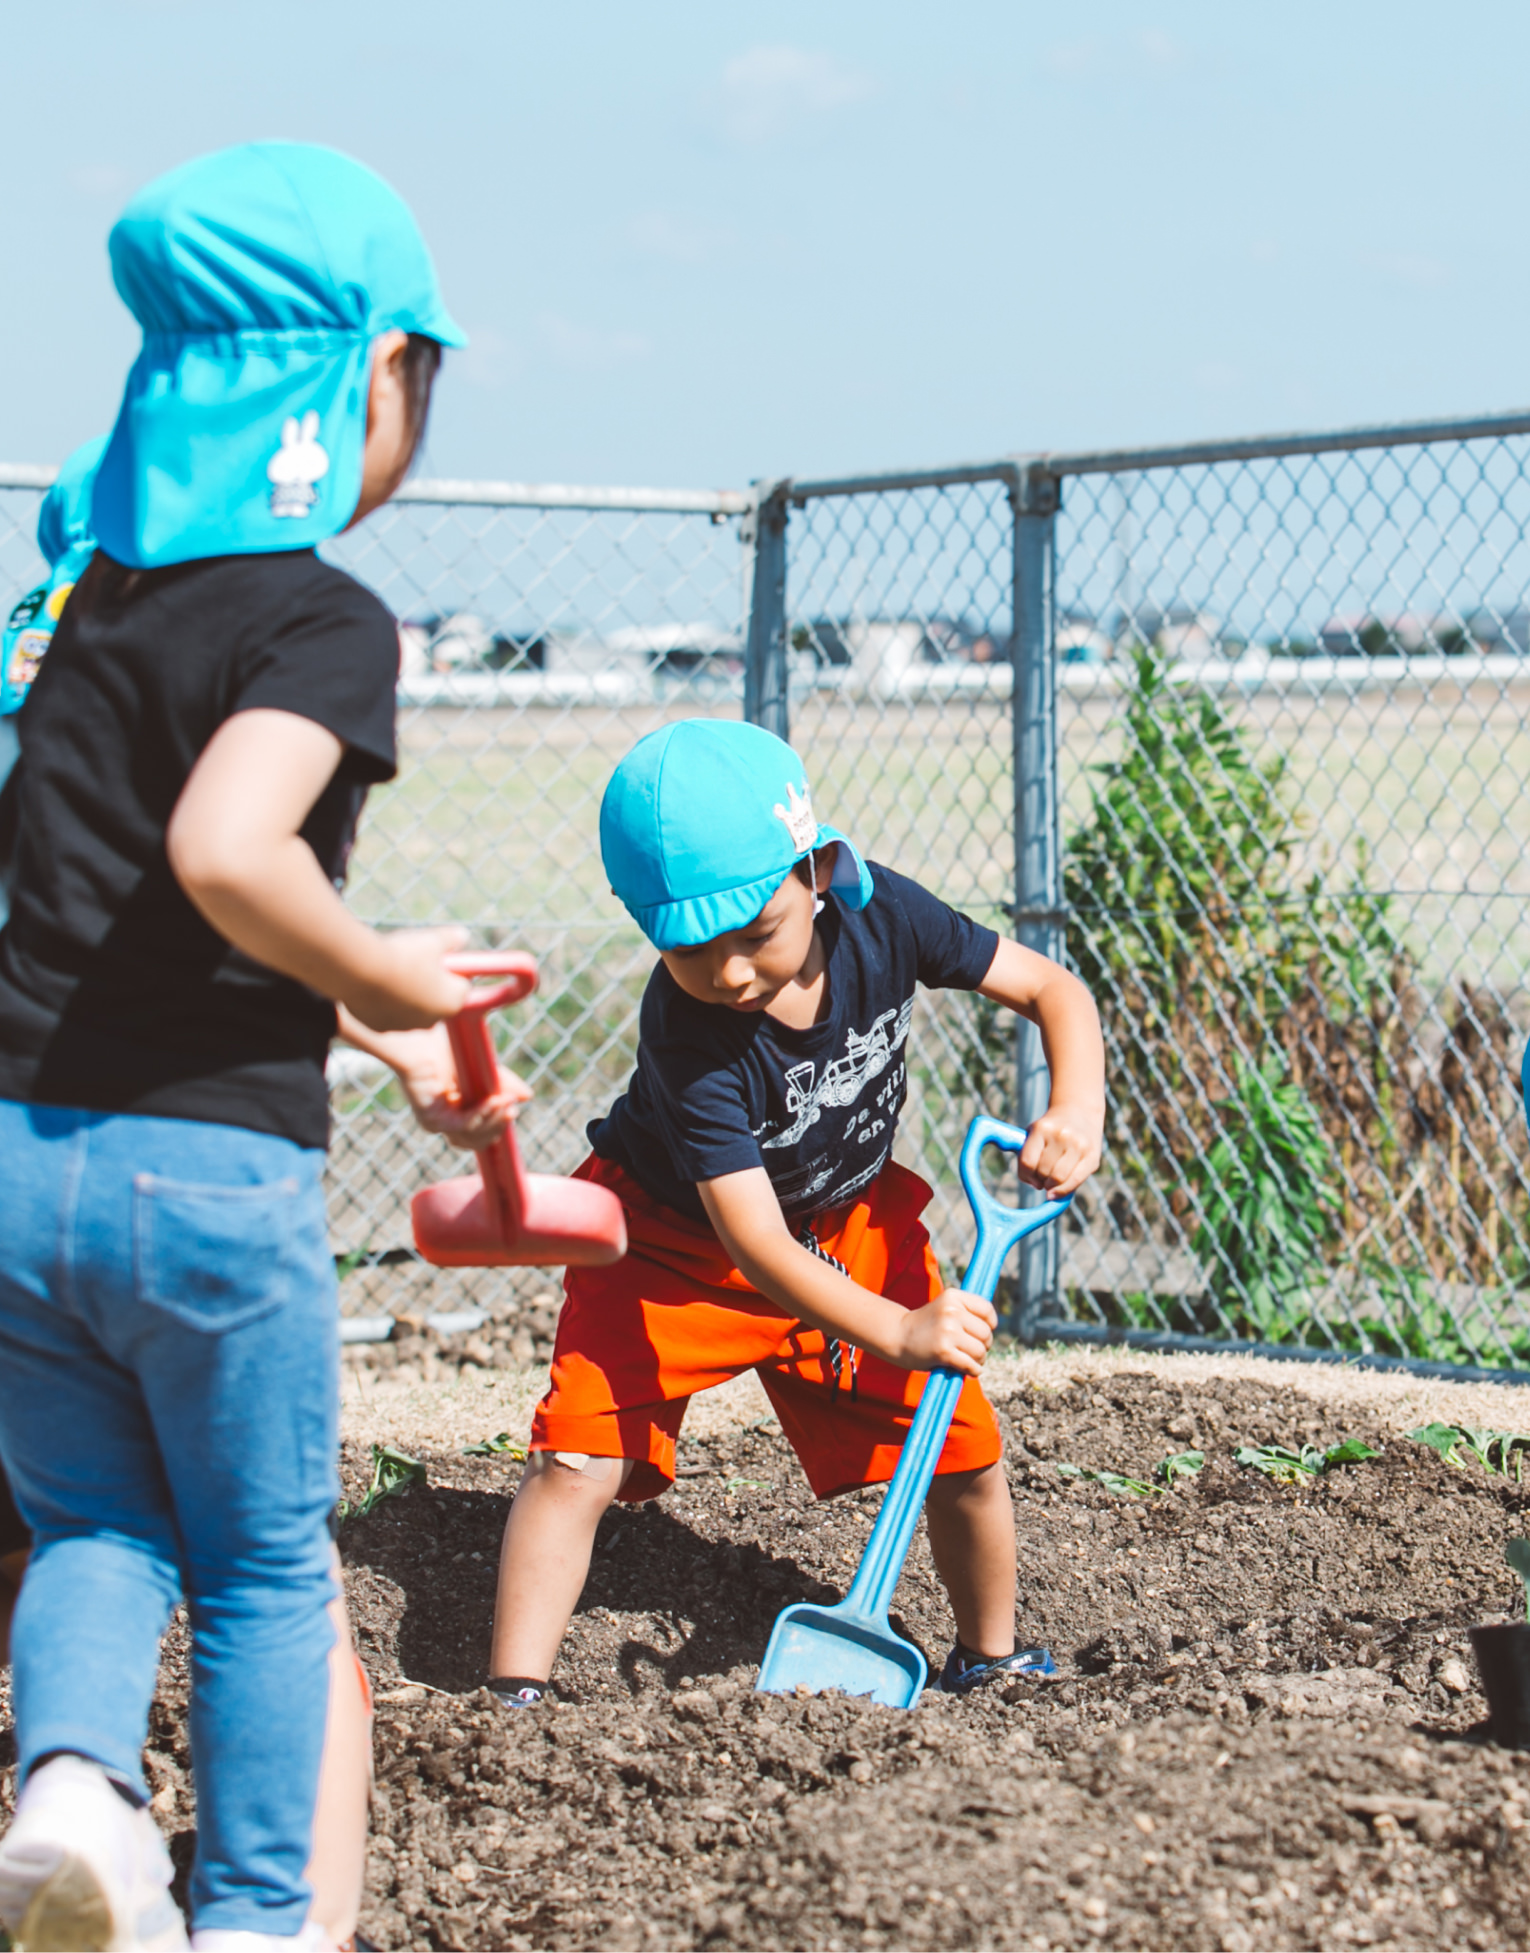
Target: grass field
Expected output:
[493,819]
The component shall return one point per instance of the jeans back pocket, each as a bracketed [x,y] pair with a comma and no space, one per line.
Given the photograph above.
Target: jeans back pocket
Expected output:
[216,1257]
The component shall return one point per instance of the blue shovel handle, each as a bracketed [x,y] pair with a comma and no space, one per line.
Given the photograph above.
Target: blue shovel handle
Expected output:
[998,1230]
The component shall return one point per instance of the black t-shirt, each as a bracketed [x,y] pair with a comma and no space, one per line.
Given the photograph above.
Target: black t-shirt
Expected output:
[716,1092]
[115,995]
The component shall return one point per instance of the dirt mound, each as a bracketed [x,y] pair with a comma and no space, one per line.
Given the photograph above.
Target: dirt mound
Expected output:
[1261,1733]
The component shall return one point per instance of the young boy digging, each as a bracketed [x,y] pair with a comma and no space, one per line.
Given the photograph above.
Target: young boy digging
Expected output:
[769,1226]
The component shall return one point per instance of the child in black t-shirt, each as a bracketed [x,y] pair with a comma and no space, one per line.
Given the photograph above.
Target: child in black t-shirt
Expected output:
[194,755]
[769,1227]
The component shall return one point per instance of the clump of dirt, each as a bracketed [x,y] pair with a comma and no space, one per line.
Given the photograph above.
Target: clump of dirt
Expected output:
[1262,1732]
[502,1342]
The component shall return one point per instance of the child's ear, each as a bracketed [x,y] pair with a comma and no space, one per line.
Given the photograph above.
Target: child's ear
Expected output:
[823,867]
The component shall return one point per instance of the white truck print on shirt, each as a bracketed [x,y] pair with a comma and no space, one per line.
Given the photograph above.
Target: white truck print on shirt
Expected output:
[867,1055]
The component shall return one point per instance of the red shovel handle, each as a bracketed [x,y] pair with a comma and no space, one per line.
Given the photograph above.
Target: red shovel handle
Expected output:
[513,964]
[472,1047]
[478,1068]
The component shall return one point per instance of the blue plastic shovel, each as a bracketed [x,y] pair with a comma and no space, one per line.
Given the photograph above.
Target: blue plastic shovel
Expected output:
[851,1647]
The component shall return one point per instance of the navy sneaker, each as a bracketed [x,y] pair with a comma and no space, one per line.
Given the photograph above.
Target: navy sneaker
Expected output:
[518,1691]
[961,1677]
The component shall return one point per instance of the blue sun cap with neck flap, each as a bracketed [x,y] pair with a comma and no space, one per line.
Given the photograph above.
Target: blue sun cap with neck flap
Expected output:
[703,821]
[67,543]
[260,275]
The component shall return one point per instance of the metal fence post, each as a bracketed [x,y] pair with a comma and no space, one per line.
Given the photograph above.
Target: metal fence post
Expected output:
[763,535]
[1034,499]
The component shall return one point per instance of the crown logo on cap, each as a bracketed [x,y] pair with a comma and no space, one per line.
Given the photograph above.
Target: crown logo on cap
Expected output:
[798,815]
[297,464]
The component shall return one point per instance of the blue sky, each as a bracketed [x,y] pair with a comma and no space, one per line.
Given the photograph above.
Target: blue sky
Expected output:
[695,244]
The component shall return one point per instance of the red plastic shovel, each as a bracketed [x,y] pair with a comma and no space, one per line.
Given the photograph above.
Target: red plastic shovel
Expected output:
[502,1216]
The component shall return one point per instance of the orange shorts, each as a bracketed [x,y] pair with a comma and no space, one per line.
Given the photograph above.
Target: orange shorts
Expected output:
[637,1340]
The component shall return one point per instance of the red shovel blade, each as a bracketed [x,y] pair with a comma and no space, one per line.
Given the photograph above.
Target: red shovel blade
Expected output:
[502,1216]
[566,1222]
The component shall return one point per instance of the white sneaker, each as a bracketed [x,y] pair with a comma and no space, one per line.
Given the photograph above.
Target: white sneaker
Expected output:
[218,1939]
[81,1871]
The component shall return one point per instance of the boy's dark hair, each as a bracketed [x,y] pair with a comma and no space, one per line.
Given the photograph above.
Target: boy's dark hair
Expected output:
[804,870]
[422,361]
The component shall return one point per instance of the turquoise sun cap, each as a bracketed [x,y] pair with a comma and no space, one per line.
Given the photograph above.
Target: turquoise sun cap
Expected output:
[260,275]
[66,539]
[64,522]
[703,821]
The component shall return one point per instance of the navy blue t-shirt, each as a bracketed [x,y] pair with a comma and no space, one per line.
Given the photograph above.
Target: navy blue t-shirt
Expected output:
[717,1092]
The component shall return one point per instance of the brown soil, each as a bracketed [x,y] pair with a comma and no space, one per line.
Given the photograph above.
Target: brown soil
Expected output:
[1261,1733]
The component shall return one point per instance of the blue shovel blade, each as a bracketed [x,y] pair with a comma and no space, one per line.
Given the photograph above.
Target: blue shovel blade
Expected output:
[832,1648]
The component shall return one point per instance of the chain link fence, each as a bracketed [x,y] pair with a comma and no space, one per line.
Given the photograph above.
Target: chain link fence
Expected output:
[1295,726]
[1237,730]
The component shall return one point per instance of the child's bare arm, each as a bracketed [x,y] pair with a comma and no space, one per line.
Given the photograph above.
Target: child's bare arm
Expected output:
[954,1331]
[235,848]
[1063,1145]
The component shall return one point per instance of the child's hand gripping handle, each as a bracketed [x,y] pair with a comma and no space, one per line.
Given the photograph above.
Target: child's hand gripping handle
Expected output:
[478,1068]
[998,1229]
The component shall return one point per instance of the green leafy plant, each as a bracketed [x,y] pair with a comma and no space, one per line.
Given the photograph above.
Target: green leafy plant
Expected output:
[1117,1482]
[1265,1213]
[393,1472]
[1450,1440]
[1183,1464]
[1288,1467]
[501,1446]
[1517,1553]
[1371,1168]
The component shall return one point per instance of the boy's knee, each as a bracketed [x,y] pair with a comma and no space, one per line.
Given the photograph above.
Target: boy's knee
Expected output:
[576,1474]
[956,1488]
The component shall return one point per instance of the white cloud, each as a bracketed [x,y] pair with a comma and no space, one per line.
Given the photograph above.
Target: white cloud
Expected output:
[658,234]
[590,349]
[767,92]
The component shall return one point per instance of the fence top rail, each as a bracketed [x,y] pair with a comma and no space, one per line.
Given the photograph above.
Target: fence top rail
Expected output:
[507,494]
[1126,461]
[21,474]
[1266,447]
[1007,469]
[558,495]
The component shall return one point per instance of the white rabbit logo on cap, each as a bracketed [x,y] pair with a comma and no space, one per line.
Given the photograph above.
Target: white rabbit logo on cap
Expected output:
[296,465]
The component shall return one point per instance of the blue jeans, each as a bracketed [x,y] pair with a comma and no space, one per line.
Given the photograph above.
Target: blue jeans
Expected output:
[169,1409]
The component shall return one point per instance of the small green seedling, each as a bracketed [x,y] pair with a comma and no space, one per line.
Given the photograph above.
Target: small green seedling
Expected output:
[1450,1440]
[502,1446]
[747,1484]
[392,1472]
[1117,1482]
[1517,1553]
[1289,1467]
[1184,1464]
